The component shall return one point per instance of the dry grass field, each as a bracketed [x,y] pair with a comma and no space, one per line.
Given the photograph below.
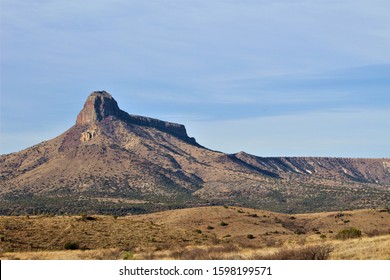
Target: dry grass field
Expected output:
[199,233]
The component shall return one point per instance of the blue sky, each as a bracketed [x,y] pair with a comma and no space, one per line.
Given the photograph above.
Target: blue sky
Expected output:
[271,77]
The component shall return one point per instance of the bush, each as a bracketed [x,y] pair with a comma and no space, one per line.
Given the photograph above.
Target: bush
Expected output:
[223,224]
[319,252]
[85,217]
[210,227]
[250,236]
[348,233]
[71,246]
[299,231]
[127,256]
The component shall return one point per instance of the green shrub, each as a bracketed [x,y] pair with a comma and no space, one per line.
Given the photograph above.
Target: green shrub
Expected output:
[348,233]
[127,256]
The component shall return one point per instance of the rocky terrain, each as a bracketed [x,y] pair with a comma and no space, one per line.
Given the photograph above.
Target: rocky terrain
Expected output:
[111,162]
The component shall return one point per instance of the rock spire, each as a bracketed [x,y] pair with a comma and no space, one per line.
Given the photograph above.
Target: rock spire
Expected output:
[99,105]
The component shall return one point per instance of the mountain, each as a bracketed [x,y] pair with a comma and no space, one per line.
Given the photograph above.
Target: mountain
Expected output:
[114,162]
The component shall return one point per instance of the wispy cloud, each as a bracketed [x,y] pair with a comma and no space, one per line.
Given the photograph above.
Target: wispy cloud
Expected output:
[203,60]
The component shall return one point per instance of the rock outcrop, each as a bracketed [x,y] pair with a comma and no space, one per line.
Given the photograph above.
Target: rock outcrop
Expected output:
[101,105]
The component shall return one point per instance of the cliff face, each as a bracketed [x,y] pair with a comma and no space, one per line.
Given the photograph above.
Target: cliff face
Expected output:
[101,105]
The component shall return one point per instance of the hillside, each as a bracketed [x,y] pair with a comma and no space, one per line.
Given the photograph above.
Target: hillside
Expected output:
[203,232]
[112,162]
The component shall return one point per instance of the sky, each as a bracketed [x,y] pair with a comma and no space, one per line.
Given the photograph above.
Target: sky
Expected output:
[268,77]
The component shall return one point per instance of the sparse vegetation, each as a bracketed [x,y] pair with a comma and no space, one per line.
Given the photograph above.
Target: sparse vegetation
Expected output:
[318,252]
[156,236]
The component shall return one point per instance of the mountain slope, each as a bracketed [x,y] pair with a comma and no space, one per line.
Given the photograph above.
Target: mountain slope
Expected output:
[114,162]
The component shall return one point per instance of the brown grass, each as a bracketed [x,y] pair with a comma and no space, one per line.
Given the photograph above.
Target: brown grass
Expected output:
[197,234]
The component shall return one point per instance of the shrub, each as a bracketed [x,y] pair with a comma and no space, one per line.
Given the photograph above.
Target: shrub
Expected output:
[348,233]
[299,231]
[376,232]
[250,236]
[320,252]
[223,224]
[372,233]
[210,227]
[198,231]
[71,246]
[277,220]
[127,256]
[85,217]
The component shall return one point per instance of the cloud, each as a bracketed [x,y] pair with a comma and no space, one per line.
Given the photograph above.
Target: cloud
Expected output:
[201,60]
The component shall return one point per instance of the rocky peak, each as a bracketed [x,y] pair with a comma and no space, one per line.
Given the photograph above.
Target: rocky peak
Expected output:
[99,105]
